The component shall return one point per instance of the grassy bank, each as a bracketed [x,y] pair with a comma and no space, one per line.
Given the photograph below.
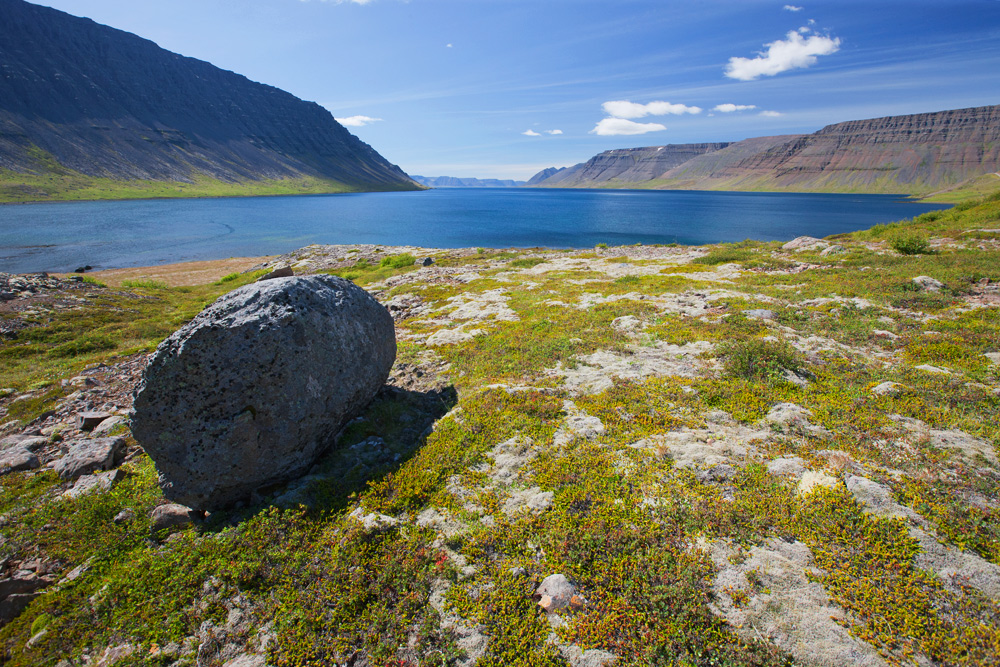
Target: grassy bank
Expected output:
[67,185]
[702,440]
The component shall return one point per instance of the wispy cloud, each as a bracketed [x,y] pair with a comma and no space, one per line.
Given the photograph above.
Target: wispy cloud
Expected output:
[357,121]
[625,109]
[771,114]
[613,127]
[792,8]
[794,52]
[531,133]
[730,108]
[553,131]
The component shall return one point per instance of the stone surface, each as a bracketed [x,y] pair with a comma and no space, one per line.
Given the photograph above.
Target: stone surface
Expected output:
[556,592]
[886,389]
[16,459]
[806,243]
[171,515]
[87,456]
[280,272]
[88,421]
[927,283]
[255,388]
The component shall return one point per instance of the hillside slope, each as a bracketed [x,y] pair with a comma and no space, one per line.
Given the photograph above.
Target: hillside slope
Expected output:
[916,154]
[81,101]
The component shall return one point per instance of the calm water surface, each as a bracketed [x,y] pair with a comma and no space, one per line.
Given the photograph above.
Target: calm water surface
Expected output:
[63,236]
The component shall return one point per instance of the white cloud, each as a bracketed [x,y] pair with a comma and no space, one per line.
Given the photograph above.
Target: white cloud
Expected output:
[782,55]
[625,109]
[357,121]
[613,127]
[553,131]
[448,46]
[792,8]
[531,133]
[729,108]
[771,114]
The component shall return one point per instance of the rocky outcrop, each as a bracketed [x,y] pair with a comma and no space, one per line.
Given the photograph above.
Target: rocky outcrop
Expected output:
[915,154]
[79,96]
[255,388]
[626,165]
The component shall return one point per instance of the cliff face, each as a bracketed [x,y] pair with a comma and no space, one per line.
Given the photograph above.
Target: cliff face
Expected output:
[105,103]
[625,166]
[915,154]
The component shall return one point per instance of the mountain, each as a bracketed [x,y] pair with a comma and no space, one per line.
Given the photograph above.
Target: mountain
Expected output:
[916,154]
[624,166]
[83,105]
[455,182]
[544,174]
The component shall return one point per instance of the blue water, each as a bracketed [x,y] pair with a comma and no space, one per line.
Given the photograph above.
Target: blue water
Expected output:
[63,236]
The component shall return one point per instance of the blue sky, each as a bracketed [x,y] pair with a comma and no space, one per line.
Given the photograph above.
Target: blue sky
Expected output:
[504,88]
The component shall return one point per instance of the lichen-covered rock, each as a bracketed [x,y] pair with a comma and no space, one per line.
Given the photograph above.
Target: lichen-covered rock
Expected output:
[255,388]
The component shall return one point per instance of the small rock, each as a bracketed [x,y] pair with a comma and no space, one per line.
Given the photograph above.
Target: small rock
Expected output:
[124,516]
[928,284]
[887,389]
[448,337]
[927,368]
[108,424]
[759,314]
[16,459]
[30,442]
[994,358]
[372,520]
[805,243]
[82,381]
[36,638]
[835,249]
[104,481]
[881,333]
[171,515]
[87,421]
[812,479]
[556,592]
[424,261]
[86,456]
[280,272]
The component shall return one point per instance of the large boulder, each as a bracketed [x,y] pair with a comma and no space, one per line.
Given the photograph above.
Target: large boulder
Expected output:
[254,389]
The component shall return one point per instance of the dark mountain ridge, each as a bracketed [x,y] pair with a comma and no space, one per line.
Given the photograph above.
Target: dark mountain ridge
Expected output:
[105,103]
[915,154]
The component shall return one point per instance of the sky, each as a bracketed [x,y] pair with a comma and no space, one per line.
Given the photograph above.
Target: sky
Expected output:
[505,88]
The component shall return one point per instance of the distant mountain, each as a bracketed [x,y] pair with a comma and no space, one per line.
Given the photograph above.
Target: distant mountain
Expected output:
[916,154]
[454,182]
[84,104]
[544,174]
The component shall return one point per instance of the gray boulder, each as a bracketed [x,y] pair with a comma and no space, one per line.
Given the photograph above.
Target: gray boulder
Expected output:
[254,389]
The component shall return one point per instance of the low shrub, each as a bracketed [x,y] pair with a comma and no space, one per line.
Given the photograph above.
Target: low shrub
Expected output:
[911,244]
[398,261]
[759,360]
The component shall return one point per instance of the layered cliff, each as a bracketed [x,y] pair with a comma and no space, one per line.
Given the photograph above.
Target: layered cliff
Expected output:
[624,166]
[915,154]
[80,100]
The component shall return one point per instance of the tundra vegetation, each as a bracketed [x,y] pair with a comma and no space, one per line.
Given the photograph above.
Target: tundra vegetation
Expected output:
[738,455]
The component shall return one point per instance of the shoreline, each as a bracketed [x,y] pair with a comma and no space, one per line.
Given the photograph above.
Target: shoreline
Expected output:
[179,274]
